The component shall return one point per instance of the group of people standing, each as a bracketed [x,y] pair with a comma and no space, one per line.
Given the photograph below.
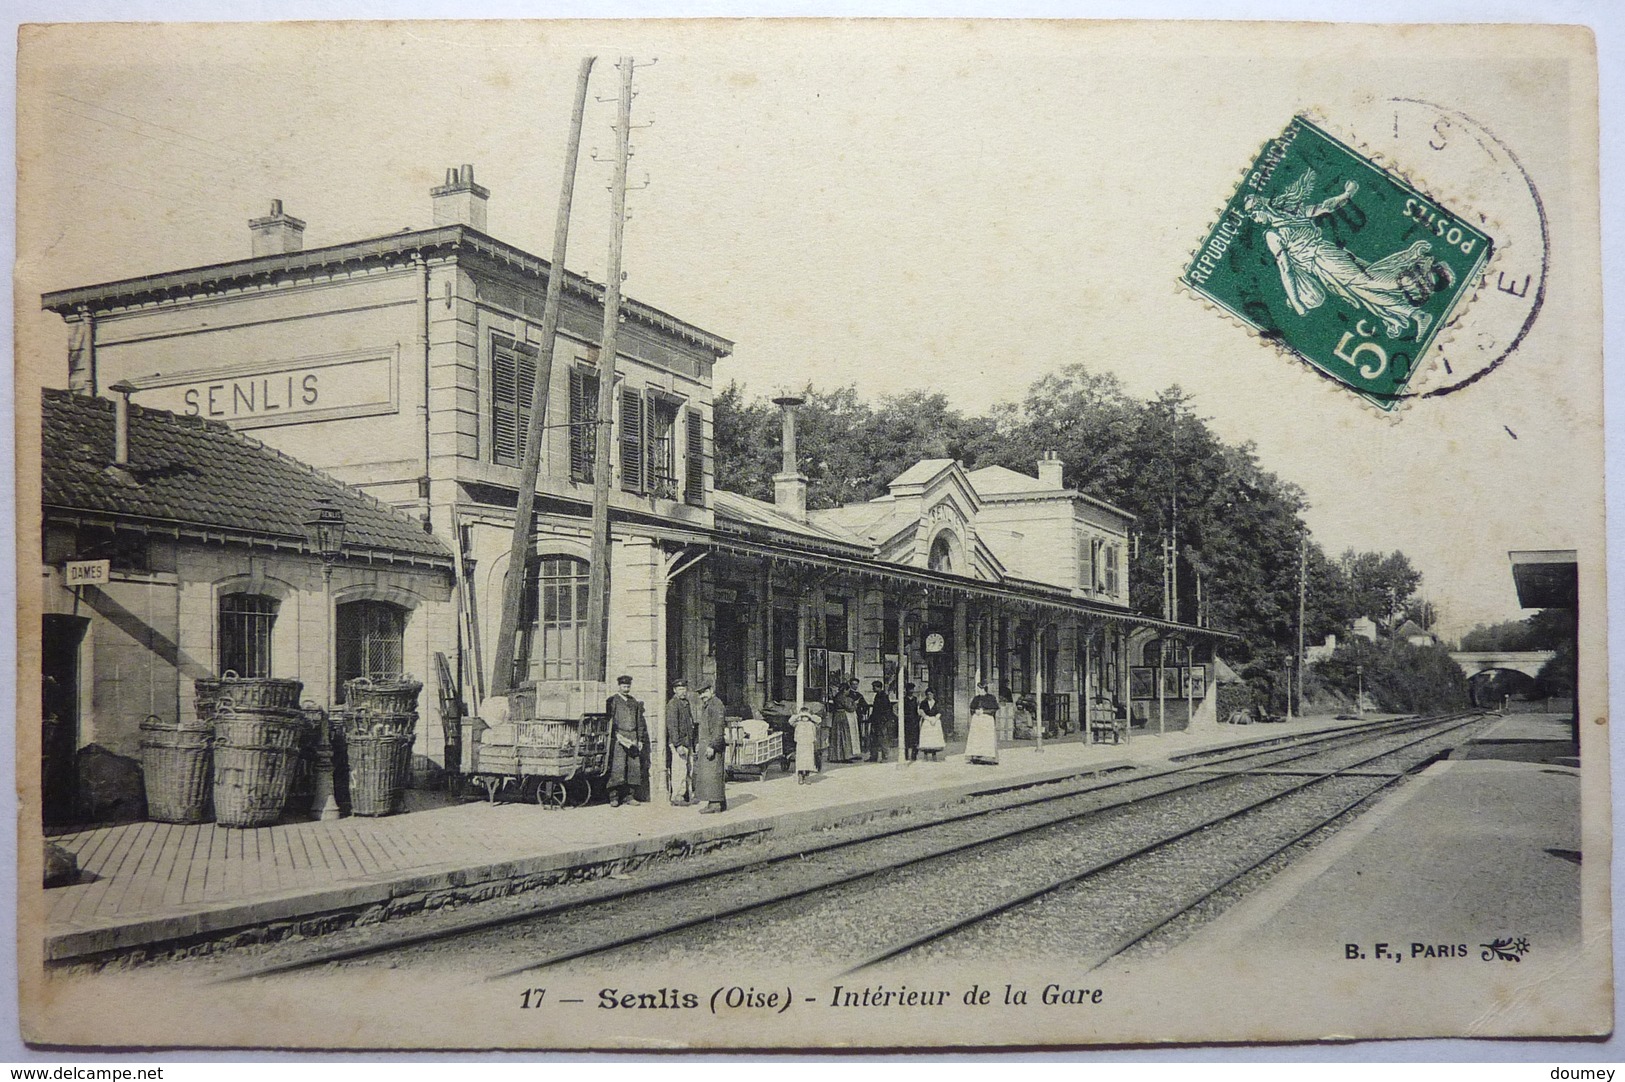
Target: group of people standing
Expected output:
[867,728]
[852,729]
[697,744]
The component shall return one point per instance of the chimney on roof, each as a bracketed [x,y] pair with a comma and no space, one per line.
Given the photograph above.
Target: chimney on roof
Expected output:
[276,233]
[121,421]
[1049,470]
[460,201]
[790,484]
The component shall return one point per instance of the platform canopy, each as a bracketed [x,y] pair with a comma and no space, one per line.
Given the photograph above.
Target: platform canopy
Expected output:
[1546,578]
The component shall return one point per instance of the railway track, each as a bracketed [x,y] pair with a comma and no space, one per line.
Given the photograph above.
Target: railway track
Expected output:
[958,834]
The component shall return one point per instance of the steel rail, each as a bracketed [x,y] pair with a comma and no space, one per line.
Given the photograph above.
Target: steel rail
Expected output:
[946,928]
[1311,744]
[627,939]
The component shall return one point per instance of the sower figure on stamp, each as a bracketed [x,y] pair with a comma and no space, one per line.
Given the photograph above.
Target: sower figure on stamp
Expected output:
[681,734]
[710,759]
[628,741]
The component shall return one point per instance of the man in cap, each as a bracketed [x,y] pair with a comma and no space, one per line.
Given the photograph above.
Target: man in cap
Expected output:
[628,740]
[710,759]
[680,736]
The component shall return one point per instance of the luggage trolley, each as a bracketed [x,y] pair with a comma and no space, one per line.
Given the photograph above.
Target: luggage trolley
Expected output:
[554,751]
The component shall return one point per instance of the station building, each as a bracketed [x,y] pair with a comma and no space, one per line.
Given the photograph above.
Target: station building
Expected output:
[404,366]
[196,556]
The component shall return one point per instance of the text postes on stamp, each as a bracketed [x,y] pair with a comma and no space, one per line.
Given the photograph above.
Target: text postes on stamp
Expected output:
[1340,261]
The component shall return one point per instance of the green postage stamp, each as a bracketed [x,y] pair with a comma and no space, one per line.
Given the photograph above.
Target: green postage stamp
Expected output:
[1340,261]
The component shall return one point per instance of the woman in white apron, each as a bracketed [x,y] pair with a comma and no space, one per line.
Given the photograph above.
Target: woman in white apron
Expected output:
[932,740]
[982,743]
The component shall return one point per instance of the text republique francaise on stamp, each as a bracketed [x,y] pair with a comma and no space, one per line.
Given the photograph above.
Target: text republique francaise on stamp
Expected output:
[1340,261]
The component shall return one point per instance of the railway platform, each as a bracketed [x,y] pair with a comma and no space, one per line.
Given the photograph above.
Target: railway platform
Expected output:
[1483,846]
[151,885]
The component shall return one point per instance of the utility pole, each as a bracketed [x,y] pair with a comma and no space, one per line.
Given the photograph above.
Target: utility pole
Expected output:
[519,551]
[598,571]
[1303,593]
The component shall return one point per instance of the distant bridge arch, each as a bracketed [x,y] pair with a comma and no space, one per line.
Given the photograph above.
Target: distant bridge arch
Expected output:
[1528,662]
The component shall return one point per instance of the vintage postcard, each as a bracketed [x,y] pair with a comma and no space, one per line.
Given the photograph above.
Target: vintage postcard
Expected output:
[809,535]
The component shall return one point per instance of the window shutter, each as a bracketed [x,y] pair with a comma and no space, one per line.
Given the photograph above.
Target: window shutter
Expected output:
[632,464]
[694,471]
[513,389]
[583,411]
[505,434]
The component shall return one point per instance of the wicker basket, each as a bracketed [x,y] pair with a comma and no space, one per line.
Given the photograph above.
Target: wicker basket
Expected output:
[379,769]
[207,698]
[260,692]
[364,724]
[251,783]
[382,695]
[246,727]
[176,763]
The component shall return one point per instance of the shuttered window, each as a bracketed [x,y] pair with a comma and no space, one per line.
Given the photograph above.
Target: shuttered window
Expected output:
[513,388]
[1111,571]
[632,464]
[583,412]
[694,470]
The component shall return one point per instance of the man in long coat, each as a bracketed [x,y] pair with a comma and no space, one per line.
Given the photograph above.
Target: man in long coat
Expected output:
[882,724]
[628,743]
[711,754]
[681,733]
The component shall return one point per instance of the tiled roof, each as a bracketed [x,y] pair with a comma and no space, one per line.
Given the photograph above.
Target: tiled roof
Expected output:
[747,512]
[872,522]
[190,472]
[990,480]
[922,471]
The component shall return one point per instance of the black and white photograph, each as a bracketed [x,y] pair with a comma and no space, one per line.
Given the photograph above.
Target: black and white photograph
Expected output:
[822,535]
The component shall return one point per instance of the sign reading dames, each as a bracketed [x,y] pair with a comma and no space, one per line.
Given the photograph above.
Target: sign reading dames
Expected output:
[1343,262]
[279,392]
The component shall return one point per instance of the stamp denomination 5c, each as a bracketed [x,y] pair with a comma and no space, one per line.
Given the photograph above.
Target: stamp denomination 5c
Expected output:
[1340,261]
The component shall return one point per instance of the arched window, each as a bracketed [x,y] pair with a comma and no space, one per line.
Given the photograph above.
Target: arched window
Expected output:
[369,636]
[245,633]
[942,554]
[558,623]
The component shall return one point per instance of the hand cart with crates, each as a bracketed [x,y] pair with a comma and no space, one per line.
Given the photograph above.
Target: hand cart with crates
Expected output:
[753,747]
[553,749]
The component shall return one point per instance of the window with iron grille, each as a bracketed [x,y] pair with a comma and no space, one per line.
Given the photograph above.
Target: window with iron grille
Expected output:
[694,464]
[513,388]
[245,633]
[632,436]
[558,623]
[583,415]
[663,449]
[369,637]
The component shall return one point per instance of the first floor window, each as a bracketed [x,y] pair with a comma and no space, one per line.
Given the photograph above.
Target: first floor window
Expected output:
[245,633]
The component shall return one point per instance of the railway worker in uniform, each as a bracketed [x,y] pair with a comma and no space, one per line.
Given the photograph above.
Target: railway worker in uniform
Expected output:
[710,758]
[628,742]
[681,733]
[882,723]
[982,743]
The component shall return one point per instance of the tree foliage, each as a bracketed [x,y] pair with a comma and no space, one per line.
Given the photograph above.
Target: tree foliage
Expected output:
[1240,527]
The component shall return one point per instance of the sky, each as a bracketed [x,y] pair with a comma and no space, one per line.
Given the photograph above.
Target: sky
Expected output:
[959,208]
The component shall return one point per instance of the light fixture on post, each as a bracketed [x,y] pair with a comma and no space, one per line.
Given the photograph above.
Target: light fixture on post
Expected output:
[324,529]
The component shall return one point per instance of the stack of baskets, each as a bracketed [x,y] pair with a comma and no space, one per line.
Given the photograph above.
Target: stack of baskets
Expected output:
[380,722]
[258,730]
[175,761]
